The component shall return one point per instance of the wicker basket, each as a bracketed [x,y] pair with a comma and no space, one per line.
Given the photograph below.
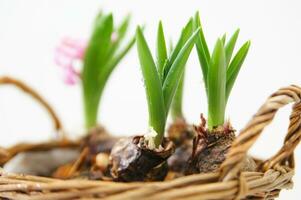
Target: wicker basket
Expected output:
[271,177]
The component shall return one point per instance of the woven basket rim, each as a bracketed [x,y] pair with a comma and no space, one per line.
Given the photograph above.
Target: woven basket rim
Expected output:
[229,182]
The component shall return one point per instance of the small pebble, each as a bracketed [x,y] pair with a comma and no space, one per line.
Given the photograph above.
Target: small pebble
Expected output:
[102,161]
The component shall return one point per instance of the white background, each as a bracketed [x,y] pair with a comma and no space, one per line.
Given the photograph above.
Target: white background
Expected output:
[30,30]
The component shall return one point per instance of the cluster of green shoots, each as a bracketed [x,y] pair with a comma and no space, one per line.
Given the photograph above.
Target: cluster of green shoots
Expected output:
[162,78]
[220,71]
[102,55]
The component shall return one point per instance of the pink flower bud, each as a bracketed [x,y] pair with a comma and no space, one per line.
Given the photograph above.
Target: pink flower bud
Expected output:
[69,52]
[71,77]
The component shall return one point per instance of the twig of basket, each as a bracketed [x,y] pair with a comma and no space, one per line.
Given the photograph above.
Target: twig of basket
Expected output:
[9,153]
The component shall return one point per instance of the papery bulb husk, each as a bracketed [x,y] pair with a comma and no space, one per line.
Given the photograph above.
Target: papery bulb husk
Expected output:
[158,173]
[209,151]
[178,161]
[210,148]
[182,135]
[132,160]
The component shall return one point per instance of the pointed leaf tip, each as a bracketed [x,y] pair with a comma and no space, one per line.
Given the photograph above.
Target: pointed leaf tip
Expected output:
[161,50]
[235,66]
[229,47]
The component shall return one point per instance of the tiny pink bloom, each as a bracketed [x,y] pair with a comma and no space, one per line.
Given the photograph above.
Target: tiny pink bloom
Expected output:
[114,37]
[69,52]
[71,77]
[76,47]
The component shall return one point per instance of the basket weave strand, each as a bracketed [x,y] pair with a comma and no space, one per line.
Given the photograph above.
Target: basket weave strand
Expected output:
[5,80]
[272,176]
[254,128]
[60,140]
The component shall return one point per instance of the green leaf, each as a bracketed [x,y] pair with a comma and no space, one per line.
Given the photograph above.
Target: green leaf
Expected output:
[176,106]
[120,33]
[185,34]
[170,46]
[217,86]
[235,66]
[98,17]
[96,52]
[202,49]
[224,39]
[119,55]
[111,65]
[154,94]
[230,46]
[161,50]
[172,79]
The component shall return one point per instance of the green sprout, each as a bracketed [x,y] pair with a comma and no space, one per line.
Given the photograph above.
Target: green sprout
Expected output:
[162,78]
[101,57]
[176,111]
[176,106]
[219,70]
